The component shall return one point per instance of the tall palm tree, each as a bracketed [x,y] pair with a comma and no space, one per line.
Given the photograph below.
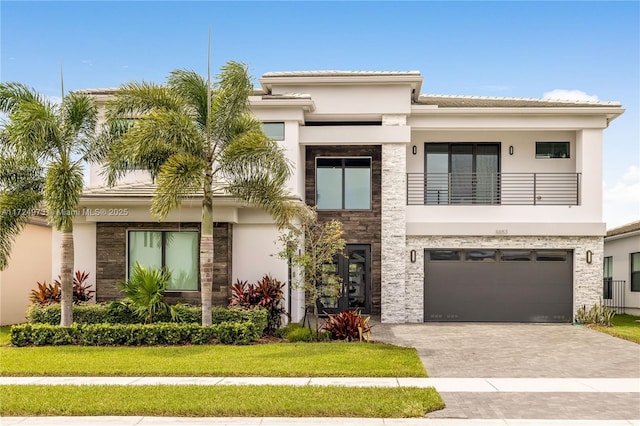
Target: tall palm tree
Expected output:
[189,134]
[48,144]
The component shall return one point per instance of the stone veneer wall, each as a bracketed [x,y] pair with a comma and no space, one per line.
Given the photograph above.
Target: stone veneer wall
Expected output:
[111,260]
[587,278]
[360,226]
[394,202]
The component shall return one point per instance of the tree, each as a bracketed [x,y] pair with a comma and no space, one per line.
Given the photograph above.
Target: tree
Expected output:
[190,134]
[311,246]
[47,144]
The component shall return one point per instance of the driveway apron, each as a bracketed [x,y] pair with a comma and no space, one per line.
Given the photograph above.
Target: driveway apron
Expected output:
[491,350]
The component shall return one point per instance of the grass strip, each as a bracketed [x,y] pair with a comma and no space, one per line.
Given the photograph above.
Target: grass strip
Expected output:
[276,360]
[625,327]
[214,401]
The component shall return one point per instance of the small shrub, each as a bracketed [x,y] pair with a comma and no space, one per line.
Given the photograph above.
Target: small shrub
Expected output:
[266,293]
[348,325]
[145,291]
[52,293]
[596,315]
[46,293]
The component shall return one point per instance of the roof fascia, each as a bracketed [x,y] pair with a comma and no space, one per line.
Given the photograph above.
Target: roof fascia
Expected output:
[415,81]
[610,112]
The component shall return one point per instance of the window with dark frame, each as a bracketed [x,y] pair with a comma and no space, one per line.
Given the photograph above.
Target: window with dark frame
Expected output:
[607,291]
[175,251]
[634,266]
[552,150]
[343,183]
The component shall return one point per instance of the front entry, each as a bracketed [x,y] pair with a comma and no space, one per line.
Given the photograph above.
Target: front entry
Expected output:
[354,270]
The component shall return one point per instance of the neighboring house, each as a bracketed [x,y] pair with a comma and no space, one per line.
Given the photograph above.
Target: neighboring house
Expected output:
[30,262]
[454,208]
[622,267]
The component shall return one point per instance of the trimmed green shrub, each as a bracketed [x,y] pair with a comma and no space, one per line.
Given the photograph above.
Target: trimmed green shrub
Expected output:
[43,334]
[122,313]
[237,333]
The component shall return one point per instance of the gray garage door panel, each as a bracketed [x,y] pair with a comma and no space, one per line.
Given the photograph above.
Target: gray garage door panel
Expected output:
[533,291]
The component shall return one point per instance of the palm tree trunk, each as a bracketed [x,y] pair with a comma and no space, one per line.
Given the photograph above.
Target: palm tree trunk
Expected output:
[206,252]
[66,277]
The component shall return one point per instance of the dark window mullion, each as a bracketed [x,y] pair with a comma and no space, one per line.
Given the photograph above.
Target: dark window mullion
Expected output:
[342,162]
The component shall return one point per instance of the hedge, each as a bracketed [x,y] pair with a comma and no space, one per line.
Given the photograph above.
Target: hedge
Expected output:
[238,333]
[121,313]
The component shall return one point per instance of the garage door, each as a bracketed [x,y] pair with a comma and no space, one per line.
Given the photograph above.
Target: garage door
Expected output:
[498,285]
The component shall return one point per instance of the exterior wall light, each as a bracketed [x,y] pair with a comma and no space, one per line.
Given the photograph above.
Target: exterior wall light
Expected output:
[589,256]
[414,150]
[510,149]
[412,256]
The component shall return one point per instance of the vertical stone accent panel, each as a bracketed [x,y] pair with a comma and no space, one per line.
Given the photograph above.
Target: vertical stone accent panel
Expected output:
[394,196]
[360,226]
[111,260]
[587,278]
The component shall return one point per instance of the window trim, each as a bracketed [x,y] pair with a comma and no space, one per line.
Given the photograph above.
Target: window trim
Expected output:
[163,231]
[544,157]
[343,158]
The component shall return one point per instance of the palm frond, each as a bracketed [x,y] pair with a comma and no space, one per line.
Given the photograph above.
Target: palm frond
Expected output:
[182,174]
[137,99]
[253,154]
[153,139]
[63,187]
[230,100]
[35,128]
[13,94]
[193,89]
[79,115]
[257,171]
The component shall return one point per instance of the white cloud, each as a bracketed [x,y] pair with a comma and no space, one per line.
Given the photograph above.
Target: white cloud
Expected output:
[57,100]
[87,62]
[622,200]
[570,95]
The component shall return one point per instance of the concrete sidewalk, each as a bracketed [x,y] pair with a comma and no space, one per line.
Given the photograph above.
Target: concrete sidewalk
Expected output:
[441,384]
[288,421]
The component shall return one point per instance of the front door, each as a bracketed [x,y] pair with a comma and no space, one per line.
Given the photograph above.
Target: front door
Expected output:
[354,270]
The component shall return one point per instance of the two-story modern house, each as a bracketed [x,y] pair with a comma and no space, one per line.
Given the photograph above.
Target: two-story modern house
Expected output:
[454,208]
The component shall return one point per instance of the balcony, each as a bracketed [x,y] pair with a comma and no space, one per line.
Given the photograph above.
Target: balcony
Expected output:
[512,189]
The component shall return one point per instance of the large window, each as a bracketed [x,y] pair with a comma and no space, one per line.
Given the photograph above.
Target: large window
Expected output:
[635,271]
[343,183]
[462,173]
[552,149]
[176,251]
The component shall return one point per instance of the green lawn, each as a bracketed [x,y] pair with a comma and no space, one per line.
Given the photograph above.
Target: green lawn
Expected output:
[4,335]
[624,326]
[223,401]
[276,359]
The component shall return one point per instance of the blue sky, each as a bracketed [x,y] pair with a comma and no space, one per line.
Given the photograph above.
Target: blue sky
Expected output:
[512,49]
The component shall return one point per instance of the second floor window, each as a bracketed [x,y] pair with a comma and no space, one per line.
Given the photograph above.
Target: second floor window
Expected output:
[274,131]
[343,183]
[552,150]
[462,173]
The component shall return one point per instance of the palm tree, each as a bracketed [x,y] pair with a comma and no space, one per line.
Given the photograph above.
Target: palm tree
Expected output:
[48,144]
[189,134]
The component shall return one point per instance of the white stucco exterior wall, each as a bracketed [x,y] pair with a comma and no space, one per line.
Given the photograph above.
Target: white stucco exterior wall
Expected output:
[620,247]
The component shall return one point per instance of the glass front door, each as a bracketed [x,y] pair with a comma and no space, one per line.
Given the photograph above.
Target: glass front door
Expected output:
[353,268]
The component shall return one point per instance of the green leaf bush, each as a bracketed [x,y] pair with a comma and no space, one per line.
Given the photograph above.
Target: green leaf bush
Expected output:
[123,313]
[227,332]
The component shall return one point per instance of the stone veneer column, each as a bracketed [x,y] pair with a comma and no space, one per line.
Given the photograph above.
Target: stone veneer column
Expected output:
[394,202]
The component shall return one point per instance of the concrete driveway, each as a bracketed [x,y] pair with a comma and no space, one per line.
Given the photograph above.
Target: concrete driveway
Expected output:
[485,350]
